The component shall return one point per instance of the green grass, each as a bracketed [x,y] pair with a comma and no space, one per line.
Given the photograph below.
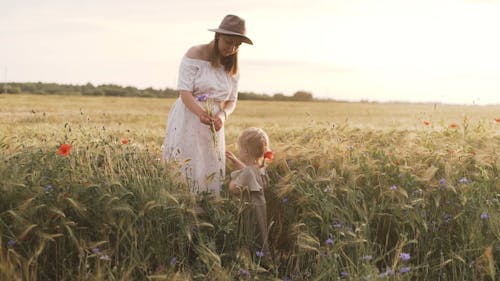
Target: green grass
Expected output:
[353,186]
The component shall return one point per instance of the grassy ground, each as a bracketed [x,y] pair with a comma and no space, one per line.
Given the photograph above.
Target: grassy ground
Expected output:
[358,192]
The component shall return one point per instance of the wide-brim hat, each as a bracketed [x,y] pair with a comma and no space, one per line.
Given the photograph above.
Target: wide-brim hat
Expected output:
[233,25]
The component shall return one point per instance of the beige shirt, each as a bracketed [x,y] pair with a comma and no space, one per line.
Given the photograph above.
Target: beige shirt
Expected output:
[254,179]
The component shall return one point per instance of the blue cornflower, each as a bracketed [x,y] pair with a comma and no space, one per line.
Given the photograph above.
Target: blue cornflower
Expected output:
[202,98]
[344,274]
[329,241]
[442,182]
[404,269]
[463,180]
[243,272]
[389,272]
[96,250]
[447,218]
[173,261]
[484,216]
[394,187]
[337,225]
[48,188]
[404,256]
[259,254]
[11,243]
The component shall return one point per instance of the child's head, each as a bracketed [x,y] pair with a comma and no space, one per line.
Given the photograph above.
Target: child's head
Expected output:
[252,144]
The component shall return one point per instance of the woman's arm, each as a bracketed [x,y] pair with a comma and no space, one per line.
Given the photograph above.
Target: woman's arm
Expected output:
[188,100]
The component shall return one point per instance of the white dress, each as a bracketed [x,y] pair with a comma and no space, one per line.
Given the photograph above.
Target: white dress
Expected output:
[188,141]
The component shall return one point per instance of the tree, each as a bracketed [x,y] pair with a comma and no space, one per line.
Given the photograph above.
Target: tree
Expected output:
[303,96]
[279,96]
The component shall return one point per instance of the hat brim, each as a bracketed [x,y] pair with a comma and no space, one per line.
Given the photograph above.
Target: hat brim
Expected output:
[227,32]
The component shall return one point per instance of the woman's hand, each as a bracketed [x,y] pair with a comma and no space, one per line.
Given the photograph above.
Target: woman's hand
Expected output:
[205,118]
[219,120]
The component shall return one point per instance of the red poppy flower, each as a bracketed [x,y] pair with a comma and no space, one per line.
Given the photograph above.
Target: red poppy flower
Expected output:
[497,120]
[473,152]
[396,162]
[427,123]
[64,149]
[453,125]
[124,141]
[268,155]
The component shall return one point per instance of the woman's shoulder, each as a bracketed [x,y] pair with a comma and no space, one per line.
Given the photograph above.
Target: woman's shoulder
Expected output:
[198,52]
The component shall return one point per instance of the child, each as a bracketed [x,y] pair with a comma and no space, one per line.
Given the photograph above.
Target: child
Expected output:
[250,179]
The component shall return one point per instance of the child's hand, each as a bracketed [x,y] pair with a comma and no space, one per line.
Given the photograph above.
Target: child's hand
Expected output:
[234,190]
[237,162]
[231,156]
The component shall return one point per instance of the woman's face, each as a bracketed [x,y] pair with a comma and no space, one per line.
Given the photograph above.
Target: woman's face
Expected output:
[228,45]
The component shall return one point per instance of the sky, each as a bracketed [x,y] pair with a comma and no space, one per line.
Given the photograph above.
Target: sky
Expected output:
[445,51]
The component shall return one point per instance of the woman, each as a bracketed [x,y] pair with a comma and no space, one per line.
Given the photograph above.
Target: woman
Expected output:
[207,84]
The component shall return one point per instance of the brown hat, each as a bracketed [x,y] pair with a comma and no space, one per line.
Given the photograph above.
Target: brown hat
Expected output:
[233,25]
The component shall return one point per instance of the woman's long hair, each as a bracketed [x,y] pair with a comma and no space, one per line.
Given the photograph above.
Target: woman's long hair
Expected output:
[230,63]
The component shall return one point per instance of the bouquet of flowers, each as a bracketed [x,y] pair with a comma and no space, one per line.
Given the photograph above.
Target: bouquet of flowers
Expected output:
[209,106]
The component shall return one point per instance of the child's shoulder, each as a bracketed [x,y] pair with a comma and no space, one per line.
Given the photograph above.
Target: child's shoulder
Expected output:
[249,177]
[241,172]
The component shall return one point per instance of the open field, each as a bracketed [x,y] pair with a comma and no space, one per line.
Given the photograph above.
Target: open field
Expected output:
[359,191]
[147,117]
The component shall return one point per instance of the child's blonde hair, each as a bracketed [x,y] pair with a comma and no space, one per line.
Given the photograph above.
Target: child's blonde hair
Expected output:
[252,144]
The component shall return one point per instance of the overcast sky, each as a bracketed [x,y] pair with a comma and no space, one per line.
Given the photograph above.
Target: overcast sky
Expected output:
[378,50]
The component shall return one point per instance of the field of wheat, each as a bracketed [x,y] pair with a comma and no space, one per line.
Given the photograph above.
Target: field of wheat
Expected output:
[358,191]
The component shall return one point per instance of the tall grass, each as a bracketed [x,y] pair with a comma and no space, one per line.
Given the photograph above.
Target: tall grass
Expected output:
[348,201]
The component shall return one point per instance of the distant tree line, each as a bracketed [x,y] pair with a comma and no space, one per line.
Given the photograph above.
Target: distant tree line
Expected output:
[84,90]
[39,88]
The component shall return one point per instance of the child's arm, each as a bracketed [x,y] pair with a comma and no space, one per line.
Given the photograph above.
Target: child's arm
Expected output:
[237,162]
